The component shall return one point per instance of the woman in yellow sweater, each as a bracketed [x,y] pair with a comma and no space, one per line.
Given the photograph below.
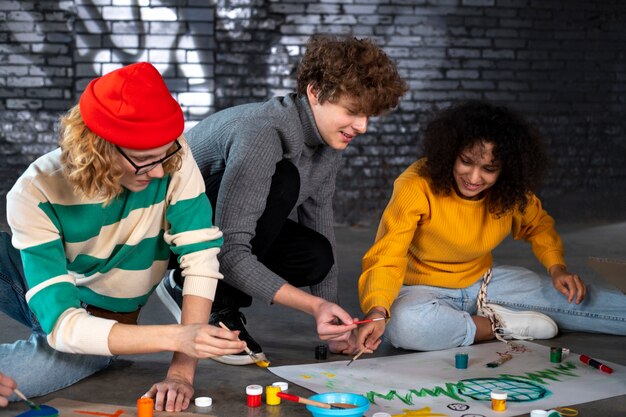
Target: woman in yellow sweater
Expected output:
[431,270]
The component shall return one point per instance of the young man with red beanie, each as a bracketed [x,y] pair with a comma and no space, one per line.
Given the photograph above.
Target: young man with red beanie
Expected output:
[93,225]
[270,171]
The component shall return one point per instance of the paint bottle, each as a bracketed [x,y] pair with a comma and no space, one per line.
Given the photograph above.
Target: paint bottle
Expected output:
[460,360]
[284,386]
[498,400]
[321,352]
[270,395]
[203,401]
[556,354]
[381,414]
[145,407]
[254,395]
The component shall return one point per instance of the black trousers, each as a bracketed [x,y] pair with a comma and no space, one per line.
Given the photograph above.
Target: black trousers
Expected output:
[298,254]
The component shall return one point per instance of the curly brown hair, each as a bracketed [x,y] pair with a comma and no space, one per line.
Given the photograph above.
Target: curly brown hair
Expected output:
[339,66]
[517,146]
[91,164]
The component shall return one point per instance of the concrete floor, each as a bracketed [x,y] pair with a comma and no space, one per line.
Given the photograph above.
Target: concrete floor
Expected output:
[289,337]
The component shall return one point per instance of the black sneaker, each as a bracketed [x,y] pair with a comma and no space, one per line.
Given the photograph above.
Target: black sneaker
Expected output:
[171,294]
[235,320]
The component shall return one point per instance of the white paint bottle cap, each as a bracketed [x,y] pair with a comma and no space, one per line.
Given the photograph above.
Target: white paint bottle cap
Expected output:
[284,386]
[203,401]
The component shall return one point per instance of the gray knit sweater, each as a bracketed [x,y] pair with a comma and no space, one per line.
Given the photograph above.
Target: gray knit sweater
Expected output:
[246,142]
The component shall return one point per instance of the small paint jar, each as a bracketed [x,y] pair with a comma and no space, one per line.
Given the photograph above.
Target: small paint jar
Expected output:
[321,352]
[460,360]
[284,386]
[145,407]
[539,413]
[203,401]
[271,397]
[498,400]
[381,414]
[254,393]
[556,354]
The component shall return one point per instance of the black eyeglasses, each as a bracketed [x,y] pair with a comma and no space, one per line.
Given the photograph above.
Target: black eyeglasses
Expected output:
[142,169]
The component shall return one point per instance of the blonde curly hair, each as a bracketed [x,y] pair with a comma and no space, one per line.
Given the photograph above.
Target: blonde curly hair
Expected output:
[91,164]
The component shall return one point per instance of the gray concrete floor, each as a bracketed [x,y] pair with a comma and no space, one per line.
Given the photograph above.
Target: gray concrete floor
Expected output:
[289,337]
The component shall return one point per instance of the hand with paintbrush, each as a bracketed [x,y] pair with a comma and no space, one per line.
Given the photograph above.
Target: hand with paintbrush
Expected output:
[7,386]
[370,330]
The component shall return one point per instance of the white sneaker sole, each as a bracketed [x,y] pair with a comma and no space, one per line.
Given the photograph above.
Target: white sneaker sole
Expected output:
[238,360]
[168,302]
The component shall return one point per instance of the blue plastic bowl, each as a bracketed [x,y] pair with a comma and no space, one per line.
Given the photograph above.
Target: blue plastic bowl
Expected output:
[360,401]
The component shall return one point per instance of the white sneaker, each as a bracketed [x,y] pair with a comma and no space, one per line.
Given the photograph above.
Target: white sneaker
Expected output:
[523,325]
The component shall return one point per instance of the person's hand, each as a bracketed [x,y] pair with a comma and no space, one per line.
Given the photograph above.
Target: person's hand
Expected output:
[172,394]
[570,285]
[7,386]
[346,346]
[333,323]
[370,334]
[206,341]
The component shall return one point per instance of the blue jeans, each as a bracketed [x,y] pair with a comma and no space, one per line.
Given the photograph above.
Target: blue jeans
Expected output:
[433,318]
[37,368]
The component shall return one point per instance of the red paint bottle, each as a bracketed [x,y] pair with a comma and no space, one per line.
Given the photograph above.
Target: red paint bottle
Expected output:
[254,393]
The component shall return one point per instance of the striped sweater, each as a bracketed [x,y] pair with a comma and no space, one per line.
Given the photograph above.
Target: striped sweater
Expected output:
[110,256]
[444,241]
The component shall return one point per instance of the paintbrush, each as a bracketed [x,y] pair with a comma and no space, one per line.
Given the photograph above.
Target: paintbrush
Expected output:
[261,363]
[503,358]
[31,404]
[368,320]
[314,403]
[357,356]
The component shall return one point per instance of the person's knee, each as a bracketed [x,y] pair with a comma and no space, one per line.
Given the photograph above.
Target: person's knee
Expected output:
[417,328]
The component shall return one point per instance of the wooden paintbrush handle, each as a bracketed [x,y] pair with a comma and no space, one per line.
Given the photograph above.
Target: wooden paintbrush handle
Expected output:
[302,400]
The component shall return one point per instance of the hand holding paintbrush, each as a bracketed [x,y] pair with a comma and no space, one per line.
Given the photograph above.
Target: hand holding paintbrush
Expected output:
[7,386]
[260,362]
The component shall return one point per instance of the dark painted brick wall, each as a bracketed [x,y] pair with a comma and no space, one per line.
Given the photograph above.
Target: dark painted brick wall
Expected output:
[563,63]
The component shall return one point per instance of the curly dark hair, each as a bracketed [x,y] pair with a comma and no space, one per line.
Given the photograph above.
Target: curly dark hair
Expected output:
[357,68]
[517,146]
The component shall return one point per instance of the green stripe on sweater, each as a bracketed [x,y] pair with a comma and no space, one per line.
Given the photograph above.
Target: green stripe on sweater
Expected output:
[81,222]
[49,303]
[127,257]
[192,214]
[41,262]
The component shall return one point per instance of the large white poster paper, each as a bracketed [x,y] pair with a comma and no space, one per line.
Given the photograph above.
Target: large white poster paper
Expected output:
[428,384]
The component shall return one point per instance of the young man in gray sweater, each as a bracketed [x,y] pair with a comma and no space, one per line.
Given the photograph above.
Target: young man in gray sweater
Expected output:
[270,171]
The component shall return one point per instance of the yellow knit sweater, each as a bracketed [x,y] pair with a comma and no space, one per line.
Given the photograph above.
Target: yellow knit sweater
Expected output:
[445,241]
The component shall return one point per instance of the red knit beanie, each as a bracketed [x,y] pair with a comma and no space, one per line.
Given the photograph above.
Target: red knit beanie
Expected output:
[132,108]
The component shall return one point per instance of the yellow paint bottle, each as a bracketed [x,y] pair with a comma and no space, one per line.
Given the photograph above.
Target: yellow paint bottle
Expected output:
[498,400]
[270,395]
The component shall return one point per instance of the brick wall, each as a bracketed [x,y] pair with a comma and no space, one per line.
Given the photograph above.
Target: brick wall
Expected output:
[563,63]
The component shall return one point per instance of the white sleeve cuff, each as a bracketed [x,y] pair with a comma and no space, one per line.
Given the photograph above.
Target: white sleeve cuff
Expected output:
[76,331]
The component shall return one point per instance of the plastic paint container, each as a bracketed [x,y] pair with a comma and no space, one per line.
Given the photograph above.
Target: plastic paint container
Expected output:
[254,395]
[381,414]
[321,352]
[145,407]
[362,404]
[460,360]
[556,354]
[270,395]
[284,386]
[203,401]
[498,400]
